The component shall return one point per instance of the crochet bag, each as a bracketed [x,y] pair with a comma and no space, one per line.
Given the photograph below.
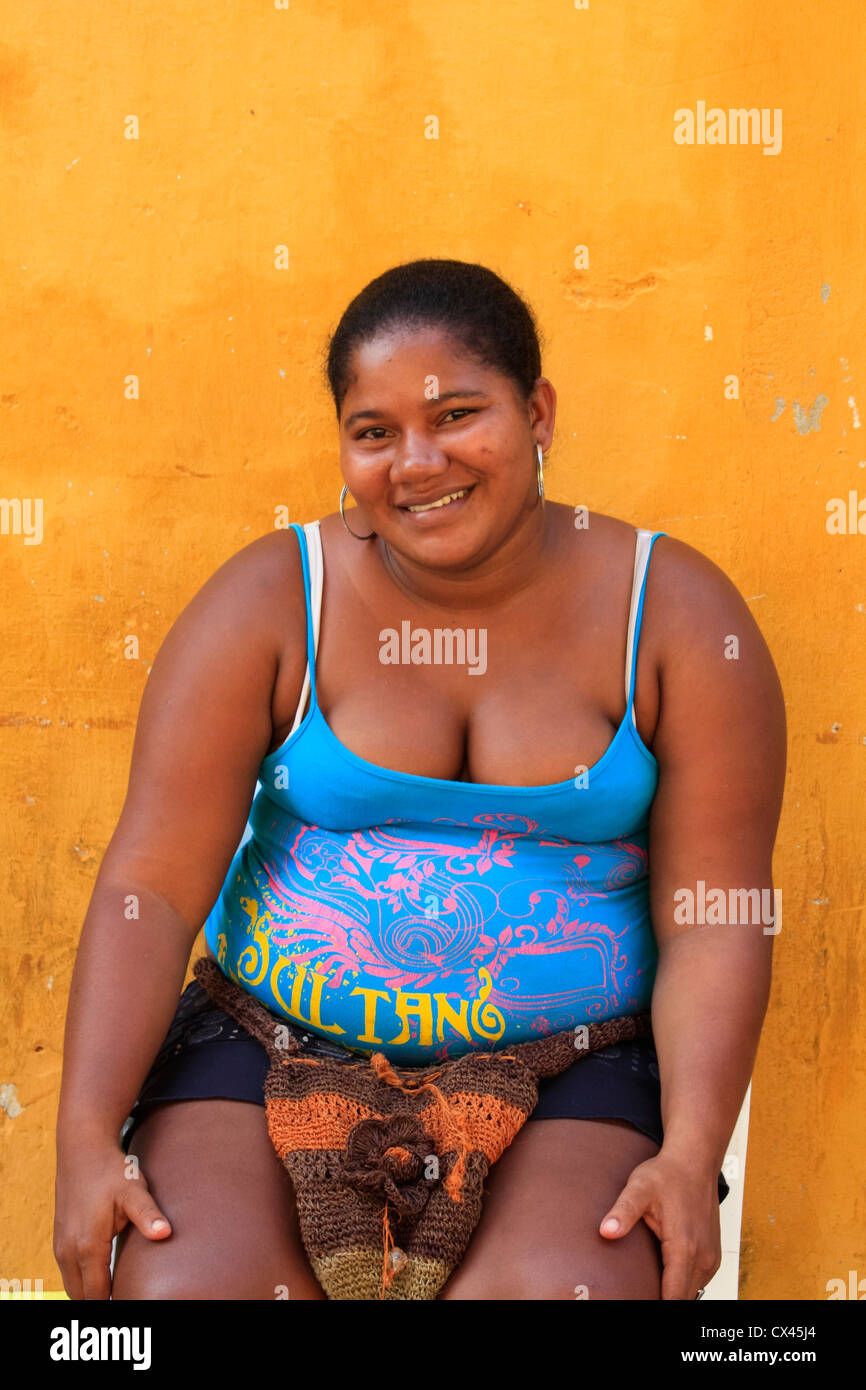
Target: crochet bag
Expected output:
[388,1163]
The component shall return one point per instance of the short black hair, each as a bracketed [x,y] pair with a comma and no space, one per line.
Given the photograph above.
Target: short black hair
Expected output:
[470,302]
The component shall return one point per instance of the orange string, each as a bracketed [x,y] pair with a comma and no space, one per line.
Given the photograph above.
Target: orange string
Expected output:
[388,1243]
[385,1072]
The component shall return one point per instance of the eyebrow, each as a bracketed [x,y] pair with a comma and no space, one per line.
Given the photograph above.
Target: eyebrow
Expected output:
[436,400]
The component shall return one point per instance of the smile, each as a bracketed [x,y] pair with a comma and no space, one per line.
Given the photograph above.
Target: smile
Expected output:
[447,501]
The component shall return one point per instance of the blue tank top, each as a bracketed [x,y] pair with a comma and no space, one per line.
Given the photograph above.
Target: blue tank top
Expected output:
[423,917]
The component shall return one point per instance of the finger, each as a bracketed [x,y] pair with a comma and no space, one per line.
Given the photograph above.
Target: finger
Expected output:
[96,1274]
[71,1276]
[138,1206]
[678,1277]
[628,1208]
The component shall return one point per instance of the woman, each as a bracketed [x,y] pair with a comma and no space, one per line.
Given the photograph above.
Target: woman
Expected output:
[446,852]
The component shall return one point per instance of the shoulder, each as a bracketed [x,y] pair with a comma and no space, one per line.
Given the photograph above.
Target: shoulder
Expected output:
[264,563]
[716,671]
[694,613]
[249,596]
[685,581]
[701,603]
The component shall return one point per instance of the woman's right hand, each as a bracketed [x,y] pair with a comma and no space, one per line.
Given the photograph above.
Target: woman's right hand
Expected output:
[98,1190]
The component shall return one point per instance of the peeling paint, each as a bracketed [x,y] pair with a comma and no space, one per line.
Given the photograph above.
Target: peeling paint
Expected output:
[9,1100]
[811,420]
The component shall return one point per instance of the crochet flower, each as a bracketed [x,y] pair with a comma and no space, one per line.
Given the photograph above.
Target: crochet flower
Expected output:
[389,1155]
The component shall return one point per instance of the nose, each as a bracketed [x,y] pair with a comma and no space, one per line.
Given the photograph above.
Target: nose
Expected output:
[418,456]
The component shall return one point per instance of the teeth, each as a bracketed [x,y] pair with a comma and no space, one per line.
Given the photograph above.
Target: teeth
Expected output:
[442,502]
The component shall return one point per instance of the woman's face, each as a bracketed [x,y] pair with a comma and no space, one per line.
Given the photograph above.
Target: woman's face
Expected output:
[422,420]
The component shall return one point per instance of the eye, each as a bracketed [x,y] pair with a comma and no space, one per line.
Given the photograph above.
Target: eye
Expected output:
[458,410]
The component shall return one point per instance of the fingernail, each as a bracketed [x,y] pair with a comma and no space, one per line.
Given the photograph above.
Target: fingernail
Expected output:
[159,1225]
[610,1225]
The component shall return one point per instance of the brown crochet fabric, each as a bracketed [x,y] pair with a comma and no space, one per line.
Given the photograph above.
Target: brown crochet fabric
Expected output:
[388,1163]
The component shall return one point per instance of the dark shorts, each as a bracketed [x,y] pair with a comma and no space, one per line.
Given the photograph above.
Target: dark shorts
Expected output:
[208,1056]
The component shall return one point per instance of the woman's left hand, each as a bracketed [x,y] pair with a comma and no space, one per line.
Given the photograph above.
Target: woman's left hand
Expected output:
[681,1207]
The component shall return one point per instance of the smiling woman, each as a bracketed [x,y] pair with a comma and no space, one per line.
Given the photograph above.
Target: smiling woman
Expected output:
[434,871]
[444,359]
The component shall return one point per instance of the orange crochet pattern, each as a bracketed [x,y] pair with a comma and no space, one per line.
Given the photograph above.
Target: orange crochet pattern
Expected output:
[388,1163]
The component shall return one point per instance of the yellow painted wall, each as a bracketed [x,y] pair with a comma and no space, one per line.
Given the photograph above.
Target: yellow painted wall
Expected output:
[307,126]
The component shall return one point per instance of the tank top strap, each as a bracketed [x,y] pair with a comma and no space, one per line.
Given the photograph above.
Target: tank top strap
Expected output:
[310,542]
[644,542]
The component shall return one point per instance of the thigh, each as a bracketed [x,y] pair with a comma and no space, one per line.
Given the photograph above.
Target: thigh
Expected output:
[545,1199]
[213,1171]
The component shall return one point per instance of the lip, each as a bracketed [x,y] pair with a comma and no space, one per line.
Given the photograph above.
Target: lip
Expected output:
[423,517]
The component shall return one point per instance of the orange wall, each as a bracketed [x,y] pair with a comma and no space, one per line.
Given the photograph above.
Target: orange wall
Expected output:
[308,127]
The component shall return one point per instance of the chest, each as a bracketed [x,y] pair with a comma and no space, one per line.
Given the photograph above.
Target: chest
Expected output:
[524,699]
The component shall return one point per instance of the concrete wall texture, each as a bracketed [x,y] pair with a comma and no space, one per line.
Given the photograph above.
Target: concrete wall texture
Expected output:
[700,286]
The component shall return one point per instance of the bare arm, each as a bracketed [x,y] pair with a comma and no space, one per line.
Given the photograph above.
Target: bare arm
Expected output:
[720,746]
[204,726]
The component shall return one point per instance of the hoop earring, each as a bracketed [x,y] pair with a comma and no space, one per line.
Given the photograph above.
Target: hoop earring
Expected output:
[345,522]
[539,473]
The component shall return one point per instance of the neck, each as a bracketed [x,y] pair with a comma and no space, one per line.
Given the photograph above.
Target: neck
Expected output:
[486,580]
